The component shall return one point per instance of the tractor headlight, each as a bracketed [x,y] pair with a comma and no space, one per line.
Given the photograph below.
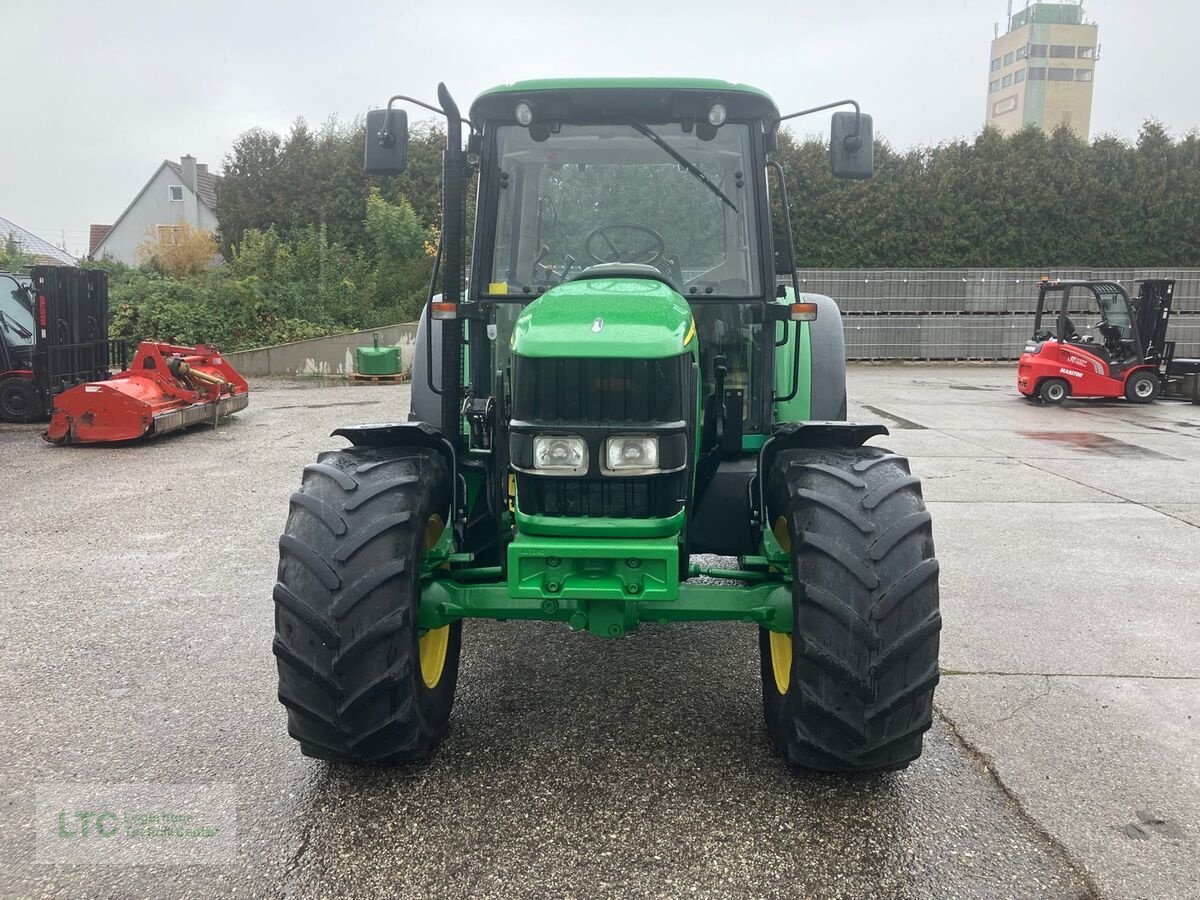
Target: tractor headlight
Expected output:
[524,113]
[632,454]
[560,454]
[717,114]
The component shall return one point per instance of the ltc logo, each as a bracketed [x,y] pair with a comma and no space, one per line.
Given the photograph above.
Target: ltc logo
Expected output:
[105,824]
[597,325]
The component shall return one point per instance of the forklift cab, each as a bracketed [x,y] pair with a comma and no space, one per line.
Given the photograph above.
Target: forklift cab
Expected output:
[1113,337]
[16,323]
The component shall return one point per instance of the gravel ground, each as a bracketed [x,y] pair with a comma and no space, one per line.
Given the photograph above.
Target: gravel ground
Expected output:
[138,651]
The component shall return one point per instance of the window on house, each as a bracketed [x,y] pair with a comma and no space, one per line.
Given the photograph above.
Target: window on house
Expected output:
[1062,74]
[1022,52]
[1062,51]
[1039,50]
[996,64]
[168,234]
[1087,53]
[175,192]
[1037,73]
[1018,76]
[993,87]
[1083,74]
[1008,58]
[1006,81]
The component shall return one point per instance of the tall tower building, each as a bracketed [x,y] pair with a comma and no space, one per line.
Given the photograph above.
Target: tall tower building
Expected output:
[1042,69]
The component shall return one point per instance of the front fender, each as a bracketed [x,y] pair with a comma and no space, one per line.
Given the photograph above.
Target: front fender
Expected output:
[409,434]
[813,435]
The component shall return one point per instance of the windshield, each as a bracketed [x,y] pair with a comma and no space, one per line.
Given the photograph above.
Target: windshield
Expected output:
[16,314]
[652,195]
[1115,311]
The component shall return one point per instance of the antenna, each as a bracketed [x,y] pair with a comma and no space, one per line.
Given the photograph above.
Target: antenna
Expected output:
[995,30]
[1008,19]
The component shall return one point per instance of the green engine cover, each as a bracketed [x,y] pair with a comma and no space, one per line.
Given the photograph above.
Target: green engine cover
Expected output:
[613,318]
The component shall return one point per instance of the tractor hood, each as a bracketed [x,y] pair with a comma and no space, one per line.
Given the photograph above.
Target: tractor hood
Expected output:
[606,318]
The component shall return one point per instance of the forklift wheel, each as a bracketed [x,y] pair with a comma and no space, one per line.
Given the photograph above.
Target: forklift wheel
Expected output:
[361,682]
[1142,387]
[18,400]
[851,689]
[1054,390]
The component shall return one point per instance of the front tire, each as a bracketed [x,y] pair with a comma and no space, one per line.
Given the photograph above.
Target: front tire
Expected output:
[851,689]
[18,400]
[1142,387]
[360,682]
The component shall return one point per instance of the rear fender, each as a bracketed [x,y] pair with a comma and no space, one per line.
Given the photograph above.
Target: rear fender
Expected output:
[410,434]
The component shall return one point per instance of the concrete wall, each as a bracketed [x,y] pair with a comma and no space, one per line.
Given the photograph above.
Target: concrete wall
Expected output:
[152,207]
[331,356]
[946,314]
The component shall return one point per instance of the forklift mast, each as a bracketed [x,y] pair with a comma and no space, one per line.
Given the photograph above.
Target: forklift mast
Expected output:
[1152,312]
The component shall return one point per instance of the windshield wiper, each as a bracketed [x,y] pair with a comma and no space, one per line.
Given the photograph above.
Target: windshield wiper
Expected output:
[683,161]
[12,325]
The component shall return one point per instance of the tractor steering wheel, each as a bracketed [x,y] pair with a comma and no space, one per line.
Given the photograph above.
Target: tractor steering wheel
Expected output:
[646,254]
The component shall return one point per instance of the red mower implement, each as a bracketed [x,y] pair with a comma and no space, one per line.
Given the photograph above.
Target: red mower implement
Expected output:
[1123,354]
[167,388]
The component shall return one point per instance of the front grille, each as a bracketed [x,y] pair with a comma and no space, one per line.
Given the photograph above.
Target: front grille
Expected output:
[652,497]
[596,391]
[604,396]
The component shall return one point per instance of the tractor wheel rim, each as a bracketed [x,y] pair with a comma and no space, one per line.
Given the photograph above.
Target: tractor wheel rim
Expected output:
[781,660]
[1056,392]
[433,645]
[780,643]
[1144,387]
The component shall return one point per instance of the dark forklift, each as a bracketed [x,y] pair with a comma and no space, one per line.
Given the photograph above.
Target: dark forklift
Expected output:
[54,325]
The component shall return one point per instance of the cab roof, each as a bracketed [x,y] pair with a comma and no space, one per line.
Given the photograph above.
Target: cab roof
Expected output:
[640,98]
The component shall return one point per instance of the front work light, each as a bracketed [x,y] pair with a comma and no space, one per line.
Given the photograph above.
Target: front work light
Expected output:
[560,454]
[524,113]
[717,114]
[631,454]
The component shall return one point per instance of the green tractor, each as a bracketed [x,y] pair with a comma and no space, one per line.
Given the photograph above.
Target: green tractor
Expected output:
[613,386]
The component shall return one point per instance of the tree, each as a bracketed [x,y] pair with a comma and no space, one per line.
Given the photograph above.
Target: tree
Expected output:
[178,251]
[12,257]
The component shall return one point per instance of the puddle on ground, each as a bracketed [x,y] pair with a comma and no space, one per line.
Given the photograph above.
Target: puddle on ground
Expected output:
[898,421]
[1098,443]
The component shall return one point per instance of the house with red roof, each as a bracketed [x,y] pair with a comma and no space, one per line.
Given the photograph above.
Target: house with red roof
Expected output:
[176,193]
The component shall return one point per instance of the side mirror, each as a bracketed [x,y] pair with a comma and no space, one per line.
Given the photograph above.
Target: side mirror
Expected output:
[386,149]
[852,145]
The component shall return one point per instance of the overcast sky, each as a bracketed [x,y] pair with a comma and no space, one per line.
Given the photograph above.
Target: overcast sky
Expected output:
[98,94]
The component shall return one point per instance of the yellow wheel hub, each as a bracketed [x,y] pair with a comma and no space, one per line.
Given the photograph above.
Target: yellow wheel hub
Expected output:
[433,645]
[781,644]
[781,660]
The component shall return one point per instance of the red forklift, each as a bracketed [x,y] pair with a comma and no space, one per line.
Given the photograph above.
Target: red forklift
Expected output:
[53,336]
[1123,354]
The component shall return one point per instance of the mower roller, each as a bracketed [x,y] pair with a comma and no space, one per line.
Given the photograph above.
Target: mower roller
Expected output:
[167,388]
[619,388]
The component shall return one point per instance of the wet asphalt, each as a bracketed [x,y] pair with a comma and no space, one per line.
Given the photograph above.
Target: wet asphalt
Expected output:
[136,592]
